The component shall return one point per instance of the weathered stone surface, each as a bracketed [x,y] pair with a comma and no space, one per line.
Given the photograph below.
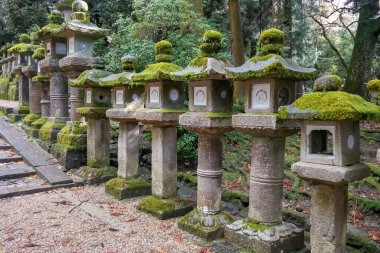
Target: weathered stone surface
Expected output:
[280,238]
[201,122]
[164,161]
[6,157]
[93,176]
[128,150]
[122,115]
[98,138]
[15,171]
[53,174]
[123,189]
[157,117]
[330,174]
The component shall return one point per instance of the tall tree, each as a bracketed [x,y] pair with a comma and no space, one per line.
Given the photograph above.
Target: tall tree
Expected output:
[367,34]
[237,43]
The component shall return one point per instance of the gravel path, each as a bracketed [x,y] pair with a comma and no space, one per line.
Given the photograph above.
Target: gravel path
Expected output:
[48,222]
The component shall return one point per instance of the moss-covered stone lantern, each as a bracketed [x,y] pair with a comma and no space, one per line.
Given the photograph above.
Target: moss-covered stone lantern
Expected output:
[164,104]
[23,88]
[43,84]
[65,7]
[210,113]
[9,80]
[34,89]
[55,49]
[374,88]
[270,80]
[127,97]
[330,156]
[80,35]
[97,101]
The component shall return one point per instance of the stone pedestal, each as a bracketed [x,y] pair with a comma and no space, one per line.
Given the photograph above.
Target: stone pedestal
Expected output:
[264,230]
[76,101]
[164,164]
[23,89]
[45,100]
[329,202]
[59,113]
[207,221]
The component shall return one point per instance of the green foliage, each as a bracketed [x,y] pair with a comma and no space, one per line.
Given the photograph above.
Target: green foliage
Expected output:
[56,17]
[337,105]
[187,146]
[374,169]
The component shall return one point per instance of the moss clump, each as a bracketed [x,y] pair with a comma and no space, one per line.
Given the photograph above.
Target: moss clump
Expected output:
[97,175]
[374,85]
[199,62]
[39,53]
[263,57]
[282,113]
[73,136]
[93,112]
[154,204]
[89,78]
[56,17]
[374,169]
[337,105]
[123,183]
[128,63]
[328,83]
[24,38]
[211,42]
[50,30]
[17,48]
[158,71]
[49,130]
[164,58]
[365,205]
[163,47]
[39,123]
[40,79]
[272,41]
[214,115]
[188,178]
[363,244]
[122,188]
[212,36]
[24,109]
[254,225]
[30,118]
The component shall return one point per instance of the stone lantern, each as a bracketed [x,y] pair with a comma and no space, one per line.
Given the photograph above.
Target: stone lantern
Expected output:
[65,7]
[164,104]
[34,89]
[330,157]
[9,80]
[80,35]
[374,88]
[97,101]
[210,113]
[127,97]
[21,61]
[270,80]
[55,49]
[42,83]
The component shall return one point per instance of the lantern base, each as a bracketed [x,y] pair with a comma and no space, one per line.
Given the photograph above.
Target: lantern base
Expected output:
[206,226]
[94,176]
[123,189]
[257,237]
[164,209]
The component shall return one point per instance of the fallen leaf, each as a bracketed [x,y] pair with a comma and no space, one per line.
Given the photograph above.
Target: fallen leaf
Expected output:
[30,245]
[113,229]
[129,219]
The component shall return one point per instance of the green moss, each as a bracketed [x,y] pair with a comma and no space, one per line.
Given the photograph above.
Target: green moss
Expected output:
[30,118]
[39,53]
[163,47]
[73,136]
[97,175]
[81,17]
[16,48]
[123,183]
[363,244]
[164,58]
[188,178]
[372,182]
[89,78]
[39,123]
[24,109]
[56,17]
[282,113]
[212,36]
[328,83]
[164,110]
[24,38]
[47,130]
[374,85]
[374,169]
[263,57]
[158,71]
[229,195]
[365,205]
[214,115]
[154,204]
[40,79]
[50,30]
[93,112]
[199,62]
[272,36]
[254,225]
[337,105]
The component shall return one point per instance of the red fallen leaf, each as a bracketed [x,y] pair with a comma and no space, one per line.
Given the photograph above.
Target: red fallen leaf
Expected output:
[116,214]
[204,250]
[113,229]
[129,219]
[30,245]
[234,184]
[287,184]
[11,238]
[357,216]
[375,235]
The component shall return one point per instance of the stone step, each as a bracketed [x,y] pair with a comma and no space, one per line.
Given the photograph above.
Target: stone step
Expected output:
[8,156]
[16,170]
[30,189]
[4,145]
[53,174]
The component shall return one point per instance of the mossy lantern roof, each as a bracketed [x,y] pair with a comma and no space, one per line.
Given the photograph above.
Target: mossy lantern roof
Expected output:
[124,78]
[80,23]
[160,71]
[269,63]
[20,47]
[53,27]
[91,78]
[330,105]
[209,65]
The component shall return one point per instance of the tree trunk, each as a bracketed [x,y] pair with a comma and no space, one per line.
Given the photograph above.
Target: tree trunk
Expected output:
[366,37]
[287,23]
[237,43]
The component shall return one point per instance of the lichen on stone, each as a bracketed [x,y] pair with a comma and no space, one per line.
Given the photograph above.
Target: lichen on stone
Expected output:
[328,83]
[374,85]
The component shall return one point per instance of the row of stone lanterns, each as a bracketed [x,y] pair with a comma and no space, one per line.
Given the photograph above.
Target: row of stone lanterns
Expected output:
[8,80]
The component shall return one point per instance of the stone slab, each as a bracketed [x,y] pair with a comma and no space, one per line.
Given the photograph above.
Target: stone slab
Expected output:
[53,174]
[6,157]
[25,190]
[121,193]
[330,174]
[201,120]
[158,117]
[122,115]
[14,171]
